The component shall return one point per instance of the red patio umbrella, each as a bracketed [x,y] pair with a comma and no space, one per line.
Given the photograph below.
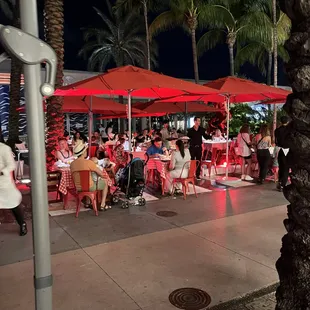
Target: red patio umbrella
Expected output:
[82,104]
[174,107]
[132,81]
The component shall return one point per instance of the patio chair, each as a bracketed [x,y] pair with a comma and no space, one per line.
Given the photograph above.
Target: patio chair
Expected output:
[93,151]
[190,179]
[84,176]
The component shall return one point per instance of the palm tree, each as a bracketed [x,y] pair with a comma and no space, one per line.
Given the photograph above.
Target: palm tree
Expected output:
[294,264]
[145,6]
[228,23]
[259,52]
[11,10]
[188,14]
[53,26]
[121,41]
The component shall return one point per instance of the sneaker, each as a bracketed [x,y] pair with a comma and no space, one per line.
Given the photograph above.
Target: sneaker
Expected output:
[198,178]
[23,230]
[242,177]
[248,178]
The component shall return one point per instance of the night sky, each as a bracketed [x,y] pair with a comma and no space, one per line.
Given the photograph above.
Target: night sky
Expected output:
[175,54]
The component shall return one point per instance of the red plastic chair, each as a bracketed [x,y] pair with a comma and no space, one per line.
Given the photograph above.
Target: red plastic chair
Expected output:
[93,151]
[85,176]
[190,178]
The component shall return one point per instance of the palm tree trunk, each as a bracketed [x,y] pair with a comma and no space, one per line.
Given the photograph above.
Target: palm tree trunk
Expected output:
[231,59]
[54,24]
[275,58]
[195,57]
[16,72]
[294,264]
[269,69]
[147,35]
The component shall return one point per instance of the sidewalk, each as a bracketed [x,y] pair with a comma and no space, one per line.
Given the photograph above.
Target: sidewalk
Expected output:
[223,243]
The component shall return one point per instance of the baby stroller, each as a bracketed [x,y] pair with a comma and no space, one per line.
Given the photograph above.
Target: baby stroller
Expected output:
[131,183]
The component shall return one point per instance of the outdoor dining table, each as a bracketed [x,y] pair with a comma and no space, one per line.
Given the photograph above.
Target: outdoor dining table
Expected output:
[66,183]
[162,167]
[215,147]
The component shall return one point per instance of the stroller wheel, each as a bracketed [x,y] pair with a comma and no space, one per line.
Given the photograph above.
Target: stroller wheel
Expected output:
[125,205]
[115,199]
[142,202]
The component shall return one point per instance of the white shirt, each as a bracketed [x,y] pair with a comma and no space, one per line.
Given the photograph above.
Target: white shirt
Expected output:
[243,139]
[10,196]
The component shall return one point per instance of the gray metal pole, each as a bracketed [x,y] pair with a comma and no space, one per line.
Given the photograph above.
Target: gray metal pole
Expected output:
[36,131]
[227,137]
[90,124]
[129,120]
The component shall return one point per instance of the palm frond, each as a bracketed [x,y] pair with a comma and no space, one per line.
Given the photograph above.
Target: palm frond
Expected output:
[283,28]
[283,54]
[165,21]
[209,40]
[251,53]
[216,16]
[106,20]
[7,7]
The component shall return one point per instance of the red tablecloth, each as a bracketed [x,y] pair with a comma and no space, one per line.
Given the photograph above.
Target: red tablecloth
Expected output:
[160,166]
[66,181]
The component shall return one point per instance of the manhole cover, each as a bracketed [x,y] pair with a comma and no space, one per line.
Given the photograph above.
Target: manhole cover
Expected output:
[166,213]
[190,299]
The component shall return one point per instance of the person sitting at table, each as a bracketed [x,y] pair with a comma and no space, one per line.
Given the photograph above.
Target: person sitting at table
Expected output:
[78,137]
[178,158]
[63,154]
[157,148]
[121,157]
[174,133]
[143,137]
[218,135]
[98,138]
[80,164]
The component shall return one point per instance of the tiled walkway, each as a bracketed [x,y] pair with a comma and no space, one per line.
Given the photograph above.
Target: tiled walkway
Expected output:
[224,242]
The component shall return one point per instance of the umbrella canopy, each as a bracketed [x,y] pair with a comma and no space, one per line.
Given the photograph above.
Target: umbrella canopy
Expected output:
[99,106]
[137,82]
[237,90]
[174,107]
[241,90]
[135,115]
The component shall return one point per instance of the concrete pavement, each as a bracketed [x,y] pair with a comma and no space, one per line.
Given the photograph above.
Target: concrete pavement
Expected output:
[225,243]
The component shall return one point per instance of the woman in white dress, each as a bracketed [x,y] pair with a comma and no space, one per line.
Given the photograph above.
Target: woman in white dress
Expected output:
[10,196]
[178,158]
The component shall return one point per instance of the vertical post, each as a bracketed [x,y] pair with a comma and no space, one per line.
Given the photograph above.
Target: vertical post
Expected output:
[68,123]
[227,135]
[185,120]
[90,123]
[36,129]
[129,119]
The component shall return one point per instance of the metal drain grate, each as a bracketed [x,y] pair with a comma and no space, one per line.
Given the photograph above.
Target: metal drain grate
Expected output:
[166,213]
[190,299]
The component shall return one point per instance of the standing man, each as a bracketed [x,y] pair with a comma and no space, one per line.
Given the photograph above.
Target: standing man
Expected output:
[165,133]
[281,142]
[195,134]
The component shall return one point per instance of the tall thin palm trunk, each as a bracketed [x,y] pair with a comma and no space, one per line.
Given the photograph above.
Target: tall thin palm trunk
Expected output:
[269,69]
[195,57]
[275,58]
[231,59]
[54,24]
[147,33]
[294,264]
[16,72]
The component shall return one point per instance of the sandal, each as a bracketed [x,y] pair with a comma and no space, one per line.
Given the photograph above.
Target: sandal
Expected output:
[105,208]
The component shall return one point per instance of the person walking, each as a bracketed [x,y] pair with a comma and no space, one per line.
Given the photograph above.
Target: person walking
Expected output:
[281,142]
[10,196]
[195,134]
[263,143]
